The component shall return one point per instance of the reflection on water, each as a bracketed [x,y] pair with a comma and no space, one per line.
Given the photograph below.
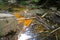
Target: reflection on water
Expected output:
[31,32]
[26,35]
[23,37]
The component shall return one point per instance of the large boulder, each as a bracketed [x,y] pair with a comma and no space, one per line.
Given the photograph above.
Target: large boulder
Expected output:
[8,23]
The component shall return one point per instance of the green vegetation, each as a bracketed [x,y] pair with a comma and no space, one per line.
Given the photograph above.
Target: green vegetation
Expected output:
[25,2]
[35,0]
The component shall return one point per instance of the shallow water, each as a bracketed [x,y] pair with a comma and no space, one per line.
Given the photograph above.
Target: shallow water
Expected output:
[25,36]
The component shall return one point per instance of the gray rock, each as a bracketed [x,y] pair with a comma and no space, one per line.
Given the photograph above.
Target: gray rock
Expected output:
[7,23]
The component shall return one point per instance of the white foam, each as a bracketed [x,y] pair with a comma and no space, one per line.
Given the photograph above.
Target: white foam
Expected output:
[23,37]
